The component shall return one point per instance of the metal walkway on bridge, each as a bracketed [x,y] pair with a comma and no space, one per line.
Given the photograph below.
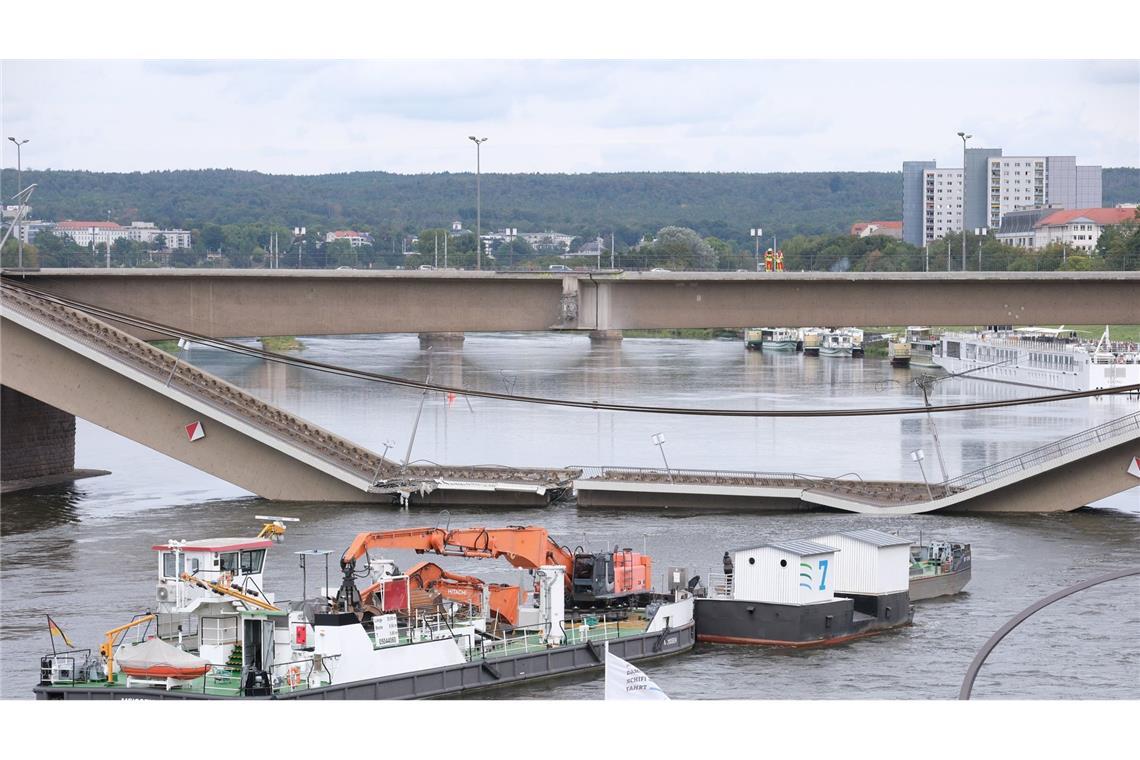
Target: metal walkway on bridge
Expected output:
[39,334]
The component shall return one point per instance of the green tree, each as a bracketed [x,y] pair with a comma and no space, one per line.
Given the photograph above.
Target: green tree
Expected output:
[682,248]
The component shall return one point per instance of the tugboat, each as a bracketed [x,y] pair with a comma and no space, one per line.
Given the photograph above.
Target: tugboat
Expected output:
[939,568]
[218,634]
[805,593]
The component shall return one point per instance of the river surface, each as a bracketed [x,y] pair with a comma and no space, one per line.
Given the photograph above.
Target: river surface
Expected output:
[81,553]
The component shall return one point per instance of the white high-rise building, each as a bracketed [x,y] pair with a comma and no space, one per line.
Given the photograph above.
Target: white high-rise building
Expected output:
[941,203]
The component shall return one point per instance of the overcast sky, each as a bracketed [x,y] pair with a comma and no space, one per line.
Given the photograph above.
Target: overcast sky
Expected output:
[314,117]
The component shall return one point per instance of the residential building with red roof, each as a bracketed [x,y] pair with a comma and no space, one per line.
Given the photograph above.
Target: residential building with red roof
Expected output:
[1077,229]
[354,238]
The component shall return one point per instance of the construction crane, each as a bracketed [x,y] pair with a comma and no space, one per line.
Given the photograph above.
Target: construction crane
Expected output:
[591,577]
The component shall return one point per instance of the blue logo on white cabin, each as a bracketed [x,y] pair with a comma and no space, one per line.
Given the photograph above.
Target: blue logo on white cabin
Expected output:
[806,579]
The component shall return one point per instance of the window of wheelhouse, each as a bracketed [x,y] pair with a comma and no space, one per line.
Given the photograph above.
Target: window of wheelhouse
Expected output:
[229,562]
[172,568]
[251,561]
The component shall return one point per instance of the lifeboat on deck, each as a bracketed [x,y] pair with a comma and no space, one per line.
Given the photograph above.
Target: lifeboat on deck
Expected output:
[157,659]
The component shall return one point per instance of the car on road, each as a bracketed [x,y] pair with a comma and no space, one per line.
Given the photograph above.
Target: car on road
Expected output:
[658,269]
[560,268]
[427,268]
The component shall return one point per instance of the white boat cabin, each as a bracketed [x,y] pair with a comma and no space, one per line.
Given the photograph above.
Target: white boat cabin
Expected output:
[238,563]
[788,572]
[869,561]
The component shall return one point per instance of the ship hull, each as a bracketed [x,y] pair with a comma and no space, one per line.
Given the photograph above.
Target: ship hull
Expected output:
[737,621]
[475,676]
[786,346]
[932,586]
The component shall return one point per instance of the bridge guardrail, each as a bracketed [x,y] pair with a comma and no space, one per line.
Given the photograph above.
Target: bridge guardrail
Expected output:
[1041,454]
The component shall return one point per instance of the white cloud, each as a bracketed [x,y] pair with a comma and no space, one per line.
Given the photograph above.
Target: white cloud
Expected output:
[562,116]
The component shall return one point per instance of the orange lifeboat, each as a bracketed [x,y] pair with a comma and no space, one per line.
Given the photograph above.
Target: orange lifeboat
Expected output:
[157,659]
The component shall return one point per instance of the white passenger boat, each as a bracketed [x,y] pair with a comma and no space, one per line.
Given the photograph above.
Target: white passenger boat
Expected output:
[813,337]
[922,344]
[780,339]
[835,344]
[1052,358]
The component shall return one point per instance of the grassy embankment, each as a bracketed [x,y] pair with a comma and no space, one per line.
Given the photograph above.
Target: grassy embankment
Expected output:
[280,343]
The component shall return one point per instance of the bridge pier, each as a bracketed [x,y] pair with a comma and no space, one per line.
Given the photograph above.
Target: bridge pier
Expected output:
[605,336]
[441,340]
[37,443]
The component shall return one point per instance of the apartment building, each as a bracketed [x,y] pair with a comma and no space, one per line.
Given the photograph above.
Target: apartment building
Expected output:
[942,203]
[995,185]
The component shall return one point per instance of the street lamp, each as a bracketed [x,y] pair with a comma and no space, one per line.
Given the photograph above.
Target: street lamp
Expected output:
[918,455]
[19,189]
[964,137]
[756,233]
[659,441]
[478,219]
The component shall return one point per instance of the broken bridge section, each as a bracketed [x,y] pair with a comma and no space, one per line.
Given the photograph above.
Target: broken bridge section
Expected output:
[87,368]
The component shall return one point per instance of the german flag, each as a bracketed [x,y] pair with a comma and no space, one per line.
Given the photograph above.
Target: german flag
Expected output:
[57,631]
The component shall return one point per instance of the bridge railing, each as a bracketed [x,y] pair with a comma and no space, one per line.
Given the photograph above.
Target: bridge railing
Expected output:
[707,477]
[1042,454]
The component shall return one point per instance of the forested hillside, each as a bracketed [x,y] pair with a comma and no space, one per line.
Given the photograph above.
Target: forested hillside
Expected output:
[721,205]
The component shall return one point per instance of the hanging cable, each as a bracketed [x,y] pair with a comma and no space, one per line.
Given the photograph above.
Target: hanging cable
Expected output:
[237,348]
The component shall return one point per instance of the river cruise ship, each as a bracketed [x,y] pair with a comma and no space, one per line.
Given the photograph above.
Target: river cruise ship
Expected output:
[1052,358]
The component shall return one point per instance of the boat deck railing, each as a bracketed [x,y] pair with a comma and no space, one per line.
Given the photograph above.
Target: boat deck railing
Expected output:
[1043,454]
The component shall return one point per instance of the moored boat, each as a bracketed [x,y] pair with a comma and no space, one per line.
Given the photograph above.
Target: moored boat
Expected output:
[923,344]
[835,344]
[899,352]
[753,338]
[1040,357]
[806,593]
[813,337]
[782,340]
[938,568]
[218,634]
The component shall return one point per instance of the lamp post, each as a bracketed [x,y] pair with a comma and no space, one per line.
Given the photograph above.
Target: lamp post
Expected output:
[756,233]
[19,189]
[964,137]
[918,455]
[478,218]
[659,441]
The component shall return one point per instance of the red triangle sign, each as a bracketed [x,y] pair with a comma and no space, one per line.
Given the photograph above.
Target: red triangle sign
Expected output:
[195,431]
[1135,468]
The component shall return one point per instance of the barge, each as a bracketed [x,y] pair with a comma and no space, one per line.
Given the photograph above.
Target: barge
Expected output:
[939,568]
[217,633]
[808,593]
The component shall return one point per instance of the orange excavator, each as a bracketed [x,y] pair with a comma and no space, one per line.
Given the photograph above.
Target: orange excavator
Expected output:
[592,578]
[502,599]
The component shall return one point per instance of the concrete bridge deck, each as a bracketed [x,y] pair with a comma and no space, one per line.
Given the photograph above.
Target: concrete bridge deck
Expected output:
[1057,477]
[244,302]
[89,369]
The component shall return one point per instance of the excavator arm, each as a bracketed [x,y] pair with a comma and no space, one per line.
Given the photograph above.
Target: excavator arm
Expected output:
[503,599]
[527,547]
